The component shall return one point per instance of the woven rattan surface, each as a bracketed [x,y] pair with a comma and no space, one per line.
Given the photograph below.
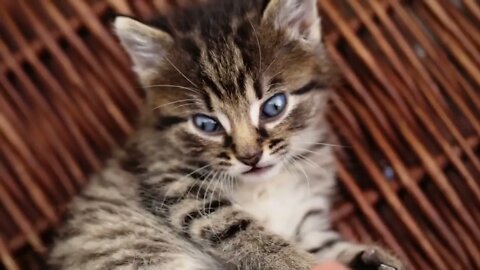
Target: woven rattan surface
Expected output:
[407,119]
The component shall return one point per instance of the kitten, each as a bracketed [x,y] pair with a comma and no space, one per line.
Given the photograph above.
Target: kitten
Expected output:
[228,168]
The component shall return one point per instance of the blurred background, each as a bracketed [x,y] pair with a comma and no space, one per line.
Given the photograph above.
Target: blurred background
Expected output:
[406,117]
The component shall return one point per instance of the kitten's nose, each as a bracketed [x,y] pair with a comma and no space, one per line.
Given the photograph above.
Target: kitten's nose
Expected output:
[251,159]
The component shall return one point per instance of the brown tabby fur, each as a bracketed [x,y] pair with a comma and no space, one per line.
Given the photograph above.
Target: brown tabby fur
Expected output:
[168,199]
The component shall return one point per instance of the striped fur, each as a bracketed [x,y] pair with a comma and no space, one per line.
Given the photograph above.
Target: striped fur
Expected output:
[177,198]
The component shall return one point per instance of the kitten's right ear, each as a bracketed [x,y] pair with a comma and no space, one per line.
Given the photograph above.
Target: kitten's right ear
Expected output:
[299,19]
[146,45]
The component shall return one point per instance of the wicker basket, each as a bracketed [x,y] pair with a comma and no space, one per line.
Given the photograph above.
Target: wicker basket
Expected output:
[407,117]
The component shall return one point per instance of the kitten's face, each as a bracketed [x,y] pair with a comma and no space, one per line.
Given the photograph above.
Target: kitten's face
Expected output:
[246,96]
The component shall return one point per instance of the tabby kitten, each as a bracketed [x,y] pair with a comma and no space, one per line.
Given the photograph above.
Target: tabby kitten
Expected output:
[228,168]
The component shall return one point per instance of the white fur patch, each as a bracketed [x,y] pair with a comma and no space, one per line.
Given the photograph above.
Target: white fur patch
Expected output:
[255,112]
[293,191]
[225,122]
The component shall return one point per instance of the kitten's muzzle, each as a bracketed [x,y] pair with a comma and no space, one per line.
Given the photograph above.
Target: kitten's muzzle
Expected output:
[251,159]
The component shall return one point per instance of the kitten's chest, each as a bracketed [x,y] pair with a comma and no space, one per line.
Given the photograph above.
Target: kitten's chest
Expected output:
[279,204]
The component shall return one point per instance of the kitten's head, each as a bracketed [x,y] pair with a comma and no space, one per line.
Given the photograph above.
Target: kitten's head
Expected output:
[239,85]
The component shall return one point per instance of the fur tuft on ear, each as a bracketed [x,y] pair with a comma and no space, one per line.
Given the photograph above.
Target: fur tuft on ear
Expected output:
[146,45]
[298,18]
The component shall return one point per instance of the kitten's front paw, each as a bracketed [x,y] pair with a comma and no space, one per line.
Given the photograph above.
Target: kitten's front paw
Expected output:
[376,259]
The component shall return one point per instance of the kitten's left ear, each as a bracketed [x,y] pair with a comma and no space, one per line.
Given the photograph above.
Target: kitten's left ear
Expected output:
[146,45]
[298,18]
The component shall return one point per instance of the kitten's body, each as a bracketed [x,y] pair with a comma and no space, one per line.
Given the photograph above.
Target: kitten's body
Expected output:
[110,226]
[254,194]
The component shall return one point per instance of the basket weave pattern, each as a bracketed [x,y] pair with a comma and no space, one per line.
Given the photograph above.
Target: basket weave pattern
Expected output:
[407,119]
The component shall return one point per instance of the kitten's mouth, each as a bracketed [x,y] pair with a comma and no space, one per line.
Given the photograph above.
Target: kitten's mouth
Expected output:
[257,170]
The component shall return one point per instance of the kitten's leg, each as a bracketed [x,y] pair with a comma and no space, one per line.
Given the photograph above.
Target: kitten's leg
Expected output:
[176,262]
[221,228]
[108,232]
[329,245]
[314,234]
[182,262]
[124,245]
[133,254]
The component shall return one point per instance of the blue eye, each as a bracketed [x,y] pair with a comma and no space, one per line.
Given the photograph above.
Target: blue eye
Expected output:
[274,106]
[206,124]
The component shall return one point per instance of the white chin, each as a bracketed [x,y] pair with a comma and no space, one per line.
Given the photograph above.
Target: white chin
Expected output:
[261,177]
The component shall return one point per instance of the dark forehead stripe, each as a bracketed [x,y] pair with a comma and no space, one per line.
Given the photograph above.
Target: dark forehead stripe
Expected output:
[222,29]
[241,81]
[243,41]
[307,88]
[211,85]
[166,122]
[192,48]
[208,101]
[257,85]
[276,80]
[229,86]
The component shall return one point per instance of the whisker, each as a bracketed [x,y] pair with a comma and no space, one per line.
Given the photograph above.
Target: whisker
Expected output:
[279,73]
[258,45]
[232,183]
[205,180]
[224,177]
[309,161]
[289,166]
[305,174]
[330,144]
[210,181]
[197,91]
[198,170]
[306,159]
[218,180]
[175,102]
[271,63]
[181,73]
[275,84]
[305,150]
[228,190]
[181,106]
[165,196]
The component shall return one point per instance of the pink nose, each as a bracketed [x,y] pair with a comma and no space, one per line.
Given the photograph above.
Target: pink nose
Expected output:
[252,159]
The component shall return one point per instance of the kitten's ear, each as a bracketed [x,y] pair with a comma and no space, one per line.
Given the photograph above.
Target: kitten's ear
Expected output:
[146,45]
[299,18]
